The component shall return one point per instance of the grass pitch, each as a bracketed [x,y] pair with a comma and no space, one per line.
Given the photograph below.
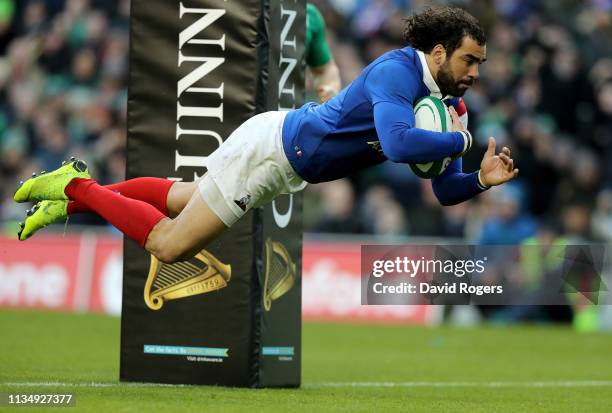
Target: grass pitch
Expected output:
[346,368]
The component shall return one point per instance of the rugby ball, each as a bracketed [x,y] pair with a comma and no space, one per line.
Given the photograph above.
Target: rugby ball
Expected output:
[431,114]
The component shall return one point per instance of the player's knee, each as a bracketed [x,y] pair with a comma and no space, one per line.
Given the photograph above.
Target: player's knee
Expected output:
[170,251]
[163,244]
[170,255]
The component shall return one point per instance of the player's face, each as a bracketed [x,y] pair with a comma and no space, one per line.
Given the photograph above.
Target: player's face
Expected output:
[460,70]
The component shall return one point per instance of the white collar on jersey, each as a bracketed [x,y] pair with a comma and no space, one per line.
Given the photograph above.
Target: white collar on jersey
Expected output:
[434,89]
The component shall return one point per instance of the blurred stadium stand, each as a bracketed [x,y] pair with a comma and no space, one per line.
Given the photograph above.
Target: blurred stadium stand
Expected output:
[546,91]
[63,85]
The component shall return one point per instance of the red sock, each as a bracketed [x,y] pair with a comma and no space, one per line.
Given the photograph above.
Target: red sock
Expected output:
[134,218]
[153,191]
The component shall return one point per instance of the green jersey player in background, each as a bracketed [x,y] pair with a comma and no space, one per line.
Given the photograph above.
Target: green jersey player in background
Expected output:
[319,59]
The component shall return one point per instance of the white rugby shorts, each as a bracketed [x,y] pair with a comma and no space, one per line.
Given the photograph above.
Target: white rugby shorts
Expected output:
[249,169]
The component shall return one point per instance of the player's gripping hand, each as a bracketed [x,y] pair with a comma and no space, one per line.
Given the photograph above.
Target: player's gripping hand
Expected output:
[459,127]
[496,169]
[326,92]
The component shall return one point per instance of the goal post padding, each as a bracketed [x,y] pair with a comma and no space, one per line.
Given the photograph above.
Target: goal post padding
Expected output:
[232,314]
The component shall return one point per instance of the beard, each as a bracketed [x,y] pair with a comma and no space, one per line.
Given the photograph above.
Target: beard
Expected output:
[449,85]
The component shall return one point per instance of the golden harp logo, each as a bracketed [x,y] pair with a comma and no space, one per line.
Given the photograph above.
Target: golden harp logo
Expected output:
[201,274]
[280,272]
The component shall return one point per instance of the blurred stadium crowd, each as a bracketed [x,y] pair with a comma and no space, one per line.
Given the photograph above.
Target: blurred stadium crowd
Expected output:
[545,91]
[63,86]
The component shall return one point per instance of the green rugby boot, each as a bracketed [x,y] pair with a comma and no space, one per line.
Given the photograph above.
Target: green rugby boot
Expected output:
[42,214]
[50,186]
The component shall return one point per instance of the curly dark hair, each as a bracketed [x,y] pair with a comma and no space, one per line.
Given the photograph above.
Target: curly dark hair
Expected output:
[442,25]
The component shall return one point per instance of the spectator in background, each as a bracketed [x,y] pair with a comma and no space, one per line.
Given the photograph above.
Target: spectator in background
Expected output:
[337,206]
[508,223]
[575,221]
[602,133]
[381,214]
[601,221]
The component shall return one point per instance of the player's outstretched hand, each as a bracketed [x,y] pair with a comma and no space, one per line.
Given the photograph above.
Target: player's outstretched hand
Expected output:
[496,169]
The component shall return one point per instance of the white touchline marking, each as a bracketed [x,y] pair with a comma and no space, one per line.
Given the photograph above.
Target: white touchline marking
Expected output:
[374,384]
[90,384]
[573,383]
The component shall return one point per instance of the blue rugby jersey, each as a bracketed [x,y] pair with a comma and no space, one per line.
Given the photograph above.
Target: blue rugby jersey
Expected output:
[371,121]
